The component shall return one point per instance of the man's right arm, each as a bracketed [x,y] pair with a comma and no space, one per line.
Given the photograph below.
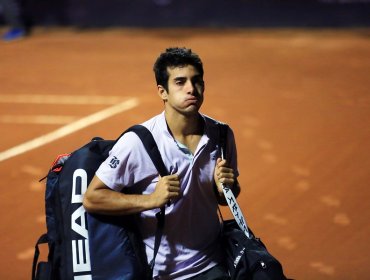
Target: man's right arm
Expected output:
[99,198]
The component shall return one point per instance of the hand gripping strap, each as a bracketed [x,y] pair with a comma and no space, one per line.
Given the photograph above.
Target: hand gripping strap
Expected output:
[229,196]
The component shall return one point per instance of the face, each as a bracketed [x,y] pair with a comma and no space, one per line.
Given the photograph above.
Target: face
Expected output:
[185,90]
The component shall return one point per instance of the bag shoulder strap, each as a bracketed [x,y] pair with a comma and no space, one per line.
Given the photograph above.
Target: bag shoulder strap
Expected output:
[229,196]
[150,146]
[223,130]
[152,149]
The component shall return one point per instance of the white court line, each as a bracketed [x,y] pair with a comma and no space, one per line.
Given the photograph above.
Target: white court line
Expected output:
[60,99]
[39,119]
[69,128]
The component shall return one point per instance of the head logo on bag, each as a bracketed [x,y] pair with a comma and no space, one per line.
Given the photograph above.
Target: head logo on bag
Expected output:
[80,247]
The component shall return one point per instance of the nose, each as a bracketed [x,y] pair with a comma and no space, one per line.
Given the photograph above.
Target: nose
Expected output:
[190,87]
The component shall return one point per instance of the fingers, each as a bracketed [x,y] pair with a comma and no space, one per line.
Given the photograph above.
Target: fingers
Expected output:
[224,174]
[221,163]
[229,181]
[168,188]
[171,181]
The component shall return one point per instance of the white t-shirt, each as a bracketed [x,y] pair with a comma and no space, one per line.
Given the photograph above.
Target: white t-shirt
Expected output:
[189,242]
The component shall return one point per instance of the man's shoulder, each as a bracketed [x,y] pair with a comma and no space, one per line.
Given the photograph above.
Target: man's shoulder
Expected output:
[157,121]
[211,122]
[131,140]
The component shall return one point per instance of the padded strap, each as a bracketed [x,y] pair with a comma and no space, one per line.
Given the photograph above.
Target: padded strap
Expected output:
[223,130]
[152,149]
[229,196]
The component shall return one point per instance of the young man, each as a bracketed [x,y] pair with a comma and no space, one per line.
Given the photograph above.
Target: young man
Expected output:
[189,145]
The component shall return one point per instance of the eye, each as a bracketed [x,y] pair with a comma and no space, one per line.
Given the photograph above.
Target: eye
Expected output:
[180,82]
[198,81]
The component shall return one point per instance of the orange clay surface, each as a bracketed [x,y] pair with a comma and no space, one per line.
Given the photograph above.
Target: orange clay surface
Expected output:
[297,100]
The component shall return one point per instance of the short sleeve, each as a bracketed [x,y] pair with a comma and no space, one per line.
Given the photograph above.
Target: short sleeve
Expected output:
[127,163]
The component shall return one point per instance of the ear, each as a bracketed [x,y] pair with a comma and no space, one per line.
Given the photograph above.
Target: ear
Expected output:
[162,92]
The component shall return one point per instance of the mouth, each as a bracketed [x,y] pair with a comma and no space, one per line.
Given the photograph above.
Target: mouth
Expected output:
[192,101]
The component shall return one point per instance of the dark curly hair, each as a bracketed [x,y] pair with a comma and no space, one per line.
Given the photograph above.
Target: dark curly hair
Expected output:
[175,57]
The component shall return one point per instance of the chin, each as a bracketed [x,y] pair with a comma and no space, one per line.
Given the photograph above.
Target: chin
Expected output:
[194,111]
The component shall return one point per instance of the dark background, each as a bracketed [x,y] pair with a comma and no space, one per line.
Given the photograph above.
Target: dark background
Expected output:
[203,13]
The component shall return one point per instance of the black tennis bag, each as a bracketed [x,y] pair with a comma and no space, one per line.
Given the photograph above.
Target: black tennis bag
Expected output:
[248,258]
[83,246]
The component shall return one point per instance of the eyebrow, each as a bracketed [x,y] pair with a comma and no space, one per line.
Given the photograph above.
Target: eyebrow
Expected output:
[184,78]
[181,78]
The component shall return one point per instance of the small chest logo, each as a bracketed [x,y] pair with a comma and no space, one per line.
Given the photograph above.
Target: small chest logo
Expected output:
[114,162]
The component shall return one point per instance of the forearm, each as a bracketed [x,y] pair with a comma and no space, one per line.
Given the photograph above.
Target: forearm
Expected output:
[100,199]
[115,203]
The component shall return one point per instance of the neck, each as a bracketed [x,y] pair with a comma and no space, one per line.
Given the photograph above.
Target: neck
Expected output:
[184,125]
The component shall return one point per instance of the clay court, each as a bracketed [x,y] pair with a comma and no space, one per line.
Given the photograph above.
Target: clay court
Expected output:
[298,101]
